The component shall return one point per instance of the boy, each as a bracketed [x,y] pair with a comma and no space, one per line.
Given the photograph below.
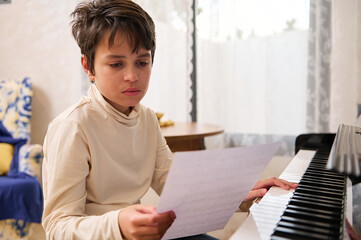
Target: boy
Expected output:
[102,154]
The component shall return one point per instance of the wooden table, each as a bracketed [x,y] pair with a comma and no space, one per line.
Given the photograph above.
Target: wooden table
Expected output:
[187,136]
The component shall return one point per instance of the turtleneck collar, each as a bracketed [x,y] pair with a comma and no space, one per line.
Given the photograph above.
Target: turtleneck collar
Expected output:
[129,120]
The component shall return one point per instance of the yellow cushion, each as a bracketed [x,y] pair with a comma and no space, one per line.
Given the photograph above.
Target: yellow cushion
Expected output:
[6,154]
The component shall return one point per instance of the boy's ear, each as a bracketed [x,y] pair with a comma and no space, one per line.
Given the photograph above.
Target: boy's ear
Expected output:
[84,64]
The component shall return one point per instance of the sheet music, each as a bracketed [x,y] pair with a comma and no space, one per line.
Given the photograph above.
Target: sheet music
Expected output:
[204,188]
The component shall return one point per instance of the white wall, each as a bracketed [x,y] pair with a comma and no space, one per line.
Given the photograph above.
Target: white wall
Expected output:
[36,41]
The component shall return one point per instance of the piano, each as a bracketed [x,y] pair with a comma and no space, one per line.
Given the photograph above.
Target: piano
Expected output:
[317,208]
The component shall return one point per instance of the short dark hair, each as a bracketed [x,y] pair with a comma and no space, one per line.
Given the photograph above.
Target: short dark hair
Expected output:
[92,19]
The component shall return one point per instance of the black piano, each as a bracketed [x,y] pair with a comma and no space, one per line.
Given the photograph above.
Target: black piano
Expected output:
[318,207]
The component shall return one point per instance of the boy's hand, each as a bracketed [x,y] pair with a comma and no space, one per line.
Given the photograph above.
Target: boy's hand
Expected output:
[143,222]
[261,187]
[352,234]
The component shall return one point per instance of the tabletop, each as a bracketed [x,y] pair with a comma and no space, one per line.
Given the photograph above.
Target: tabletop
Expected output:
[185,136]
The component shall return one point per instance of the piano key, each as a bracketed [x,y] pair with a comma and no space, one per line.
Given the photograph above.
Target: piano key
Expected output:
[327,225]
[311,217]
[322,180]
[322,187]
[316,181]
[320,213]
[314,204]
[317,200]
[313,228]
[317,192]
[319,197]
[298,234]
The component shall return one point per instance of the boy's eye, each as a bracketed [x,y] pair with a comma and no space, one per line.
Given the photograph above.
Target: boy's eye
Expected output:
[142,63]
[115,65]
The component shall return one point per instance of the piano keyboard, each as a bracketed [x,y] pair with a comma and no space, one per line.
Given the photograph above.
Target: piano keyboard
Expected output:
[315,210]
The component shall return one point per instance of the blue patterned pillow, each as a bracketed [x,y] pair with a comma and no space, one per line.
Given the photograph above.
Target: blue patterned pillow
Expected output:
[15,107]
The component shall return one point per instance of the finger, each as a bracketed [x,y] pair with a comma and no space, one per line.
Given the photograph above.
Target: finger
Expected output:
[162,223]
[145,215]
[146,230]
[351,232]
[153,218]
[170,215]
[285,184]
[267,183]
[280,183]
[165,225]
[165,220]
[145,208]
[253,194]
[144,219]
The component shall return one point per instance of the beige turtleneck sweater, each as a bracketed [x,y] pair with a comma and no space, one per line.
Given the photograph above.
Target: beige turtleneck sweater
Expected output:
[96,162]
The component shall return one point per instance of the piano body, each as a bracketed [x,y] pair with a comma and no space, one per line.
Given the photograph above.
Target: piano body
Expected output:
[319,206]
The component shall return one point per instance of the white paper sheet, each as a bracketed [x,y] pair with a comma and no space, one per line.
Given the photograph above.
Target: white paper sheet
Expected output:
[204,188]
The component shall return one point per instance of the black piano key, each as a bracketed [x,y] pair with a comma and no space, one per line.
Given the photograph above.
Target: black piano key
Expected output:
[327,214]
[311,216]
[319,197]
[325,225]
[322,187]
[323,177]
[315,204]
[326,182]
[337,204]
[323,174]
[315,168]
[308,228]
[330,186]
[289,233]
[317,192]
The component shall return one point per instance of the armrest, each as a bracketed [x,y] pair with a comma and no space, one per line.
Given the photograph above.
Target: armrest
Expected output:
[30,160]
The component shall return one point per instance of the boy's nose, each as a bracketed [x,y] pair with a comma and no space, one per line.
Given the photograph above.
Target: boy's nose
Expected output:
[131,74]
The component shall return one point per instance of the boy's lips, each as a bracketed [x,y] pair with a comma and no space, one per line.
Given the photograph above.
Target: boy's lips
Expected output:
[131,91]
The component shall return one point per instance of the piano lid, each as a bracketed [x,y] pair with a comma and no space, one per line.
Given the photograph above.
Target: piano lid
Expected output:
[345,155]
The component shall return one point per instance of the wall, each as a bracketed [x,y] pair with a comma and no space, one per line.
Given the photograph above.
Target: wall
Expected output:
[36,41]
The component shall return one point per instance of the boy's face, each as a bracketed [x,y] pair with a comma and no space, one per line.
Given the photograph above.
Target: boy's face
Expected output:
[120,75]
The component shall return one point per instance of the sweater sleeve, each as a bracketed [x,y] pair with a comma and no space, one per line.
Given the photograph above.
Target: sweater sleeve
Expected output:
[66,166]
[164,158]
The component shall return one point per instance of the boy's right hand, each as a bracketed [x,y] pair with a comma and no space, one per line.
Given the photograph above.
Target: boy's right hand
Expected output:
[143,222]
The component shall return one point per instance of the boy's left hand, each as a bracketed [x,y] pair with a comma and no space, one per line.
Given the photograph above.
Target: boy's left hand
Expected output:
[261,187]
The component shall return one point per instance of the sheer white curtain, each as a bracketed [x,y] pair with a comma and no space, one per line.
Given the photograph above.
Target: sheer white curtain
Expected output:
[271,70]
[169,88]
[334,66]
[252,69]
